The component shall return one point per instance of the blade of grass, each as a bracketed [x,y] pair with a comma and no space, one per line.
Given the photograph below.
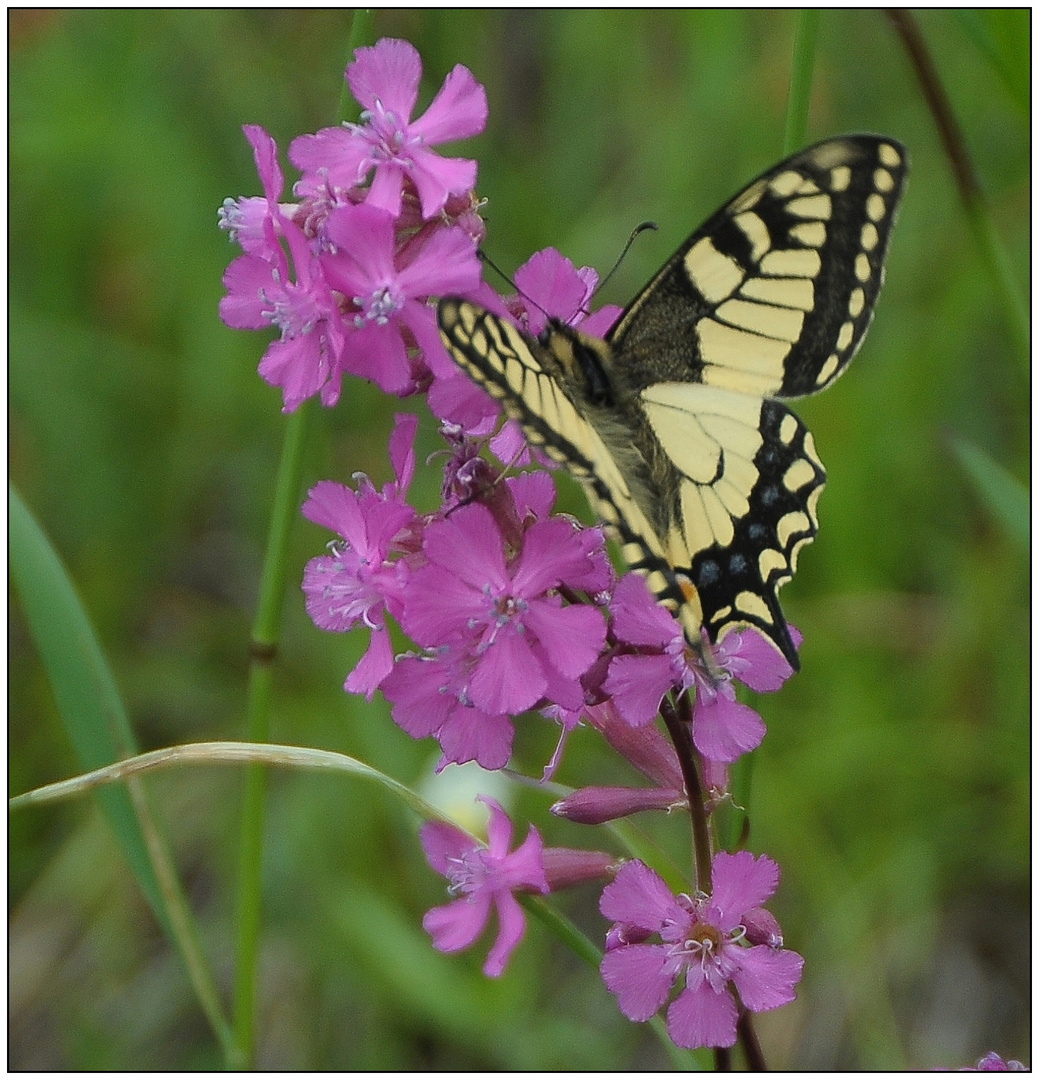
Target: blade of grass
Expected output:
[978,216]
[806,31]
[95,719]
[1004,495]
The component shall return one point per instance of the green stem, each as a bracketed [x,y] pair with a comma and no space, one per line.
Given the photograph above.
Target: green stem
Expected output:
[263,649]
[805,33]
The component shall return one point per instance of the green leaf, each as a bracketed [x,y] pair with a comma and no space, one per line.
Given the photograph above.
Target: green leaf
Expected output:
[95,719]
[88,701]
[1005,496]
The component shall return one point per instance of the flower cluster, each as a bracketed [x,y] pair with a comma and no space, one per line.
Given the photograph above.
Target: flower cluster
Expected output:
[344,274]
[509,607]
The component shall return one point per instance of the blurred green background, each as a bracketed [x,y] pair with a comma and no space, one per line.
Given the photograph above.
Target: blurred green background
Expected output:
[893,786]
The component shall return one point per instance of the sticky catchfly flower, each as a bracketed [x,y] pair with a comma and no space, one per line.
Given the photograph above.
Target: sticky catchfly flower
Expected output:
[385,80]
[385,297]
[358,581]
[481,877]
[709,943]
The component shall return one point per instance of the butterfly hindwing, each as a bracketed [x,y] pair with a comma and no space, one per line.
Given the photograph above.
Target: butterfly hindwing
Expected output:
[672,421]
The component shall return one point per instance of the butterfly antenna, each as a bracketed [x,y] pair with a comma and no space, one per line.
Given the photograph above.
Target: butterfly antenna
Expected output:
[484,257]
[638,230]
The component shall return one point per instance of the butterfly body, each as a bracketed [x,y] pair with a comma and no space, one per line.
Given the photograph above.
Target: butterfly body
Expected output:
[673,422]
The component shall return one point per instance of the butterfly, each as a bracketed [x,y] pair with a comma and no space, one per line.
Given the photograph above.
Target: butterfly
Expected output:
[675,421]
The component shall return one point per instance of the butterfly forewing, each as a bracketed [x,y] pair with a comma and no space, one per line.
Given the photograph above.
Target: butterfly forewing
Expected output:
[672,423]
[772,296]
[531,383]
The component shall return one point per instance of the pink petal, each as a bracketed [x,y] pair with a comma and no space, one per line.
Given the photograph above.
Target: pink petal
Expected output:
[333,155]
[637,684]
[551,281]
[337,508]
[438,606]
[639,976]
[364,239]
[437,177]
[377,353]
[725,728]
[246,279]
[499,828]
[513,923]
[534,494]
[333,595]
[373,667]
[551,555]
[265,153]
[386,189]
[443,843]
[470,734]
[468,544]
[508,677]
[402,449]
[600,322]
[702,1017]
[572,636]
[414,688]
[637,617]
[510,445]
[750,657]
[740,881]
[766,977]
[638,896]
[458,924]
[456,398]
[446,265]
[298,365]
[388,72]
[458,111]
[524,868]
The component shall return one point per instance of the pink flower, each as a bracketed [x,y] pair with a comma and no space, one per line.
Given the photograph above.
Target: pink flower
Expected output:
[701,944]
[385,80]
[387,295]
[263,290]
[358,582]
[481,876]
[487,607]
[501,607]
[723,728]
